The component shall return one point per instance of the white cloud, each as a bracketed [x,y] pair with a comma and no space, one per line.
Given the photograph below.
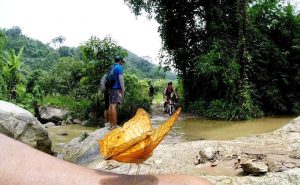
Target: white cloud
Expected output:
[78,20]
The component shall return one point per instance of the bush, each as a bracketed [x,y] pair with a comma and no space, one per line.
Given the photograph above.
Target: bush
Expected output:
[224,110]
[136,97]
[78,107]
[296,108]
[197,107]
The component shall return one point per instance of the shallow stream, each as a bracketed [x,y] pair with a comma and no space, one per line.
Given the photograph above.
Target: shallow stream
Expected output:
[185,129]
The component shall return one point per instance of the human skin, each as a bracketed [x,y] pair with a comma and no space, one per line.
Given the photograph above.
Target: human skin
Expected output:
[113,115]
[22,165]
[105,116]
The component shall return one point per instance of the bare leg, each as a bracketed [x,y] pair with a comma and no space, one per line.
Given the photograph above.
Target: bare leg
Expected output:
[23,165]
[106,116]
[113,115]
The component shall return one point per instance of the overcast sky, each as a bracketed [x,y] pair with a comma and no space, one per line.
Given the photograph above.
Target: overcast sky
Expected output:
[78,20]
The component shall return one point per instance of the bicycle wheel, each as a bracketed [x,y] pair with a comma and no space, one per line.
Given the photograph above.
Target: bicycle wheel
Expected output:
[171,110]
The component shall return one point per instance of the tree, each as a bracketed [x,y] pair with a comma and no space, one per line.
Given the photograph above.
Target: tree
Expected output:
[11,74]
[2,59]
[58,41]
[15,31]
[99,56]
[64,51]
[236,58]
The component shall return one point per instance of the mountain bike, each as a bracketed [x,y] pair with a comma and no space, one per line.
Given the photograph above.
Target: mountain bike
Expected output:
[171,106]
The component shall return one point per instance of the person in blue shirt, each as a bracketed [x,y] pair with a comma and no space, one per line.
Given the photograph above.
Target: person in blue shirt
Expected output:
[116,93]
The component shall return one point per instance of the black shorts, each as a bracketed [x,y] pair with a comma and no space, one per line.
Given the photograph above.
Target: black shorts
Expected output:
[106,100]
[114,96]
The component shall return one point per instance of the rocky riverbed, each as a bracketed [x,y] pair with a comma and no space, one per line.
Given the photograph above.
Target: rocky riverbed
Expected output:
[271,158]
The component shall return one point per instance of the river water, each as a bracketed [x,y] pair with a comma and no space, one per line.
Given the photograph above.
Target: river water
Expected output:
[187,129]
[196,129]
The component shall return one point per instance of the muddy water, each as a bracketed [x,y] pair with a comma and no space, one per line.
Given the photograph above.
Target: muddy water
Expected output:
[196,129]
[60,135]
[187,129]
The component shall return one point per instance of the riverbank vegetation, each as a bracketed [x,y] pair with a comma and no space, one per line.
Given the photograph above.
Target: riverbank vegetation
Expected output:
[237,59]
[34,74]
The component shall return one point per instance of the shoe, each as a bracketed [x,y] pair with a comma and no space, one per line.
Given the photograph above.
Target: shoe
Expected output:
[108,126]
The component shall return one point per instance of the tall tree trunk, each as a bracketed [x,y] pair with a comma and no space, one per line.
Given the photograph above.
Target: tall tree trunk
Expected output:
[243,54]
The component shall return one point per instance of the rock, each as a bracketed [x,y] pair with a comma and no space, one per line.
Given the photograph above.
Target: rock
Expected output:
[289,177]
[21,125]
[52,114]
[84,151]
[61,133]
[63,123]
[158,161]
[295,154]
[274,148]
[92,115]
[77,121]
[207,153]
[254,167]
[68,121]
[85,123]
[49,124]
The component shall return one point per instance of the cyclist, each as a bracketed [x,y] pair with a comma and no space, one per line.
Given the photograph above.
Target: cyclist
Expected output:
[168,92]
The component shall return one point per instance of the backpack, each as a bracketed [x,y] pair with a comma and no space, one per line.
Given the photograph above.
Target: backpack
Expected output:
[108,79]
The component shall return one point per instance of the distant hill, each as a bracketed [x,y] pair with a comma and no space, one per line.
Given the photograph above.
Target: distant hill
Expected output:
[38,55]
[146,69]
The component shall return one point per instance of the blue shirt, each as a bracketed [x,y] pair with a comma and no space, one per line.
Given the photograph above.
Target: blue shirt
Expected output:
[118,70]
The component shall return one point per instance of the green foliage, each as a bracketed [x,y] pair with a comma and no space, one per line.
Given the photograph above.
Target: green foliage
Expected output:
[58,41]
[2,60]
[144,68]
[78,107]
[221,109]
[11,74]
[2,40]
[236,59]
[13,87]
[23,98]
[136,97]
[36,54]
[275,54]
[64,78]
[67,77]
[224,110]
[158,98]
[296,108]
[74,84]
[198,107]
[15,31]
[159,85]
[98,55]
[83,136]
[66,51]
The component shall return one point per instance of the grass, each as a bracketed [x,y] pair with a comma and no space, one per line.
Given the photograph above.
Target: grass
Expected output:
[67,102]
[158,98]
